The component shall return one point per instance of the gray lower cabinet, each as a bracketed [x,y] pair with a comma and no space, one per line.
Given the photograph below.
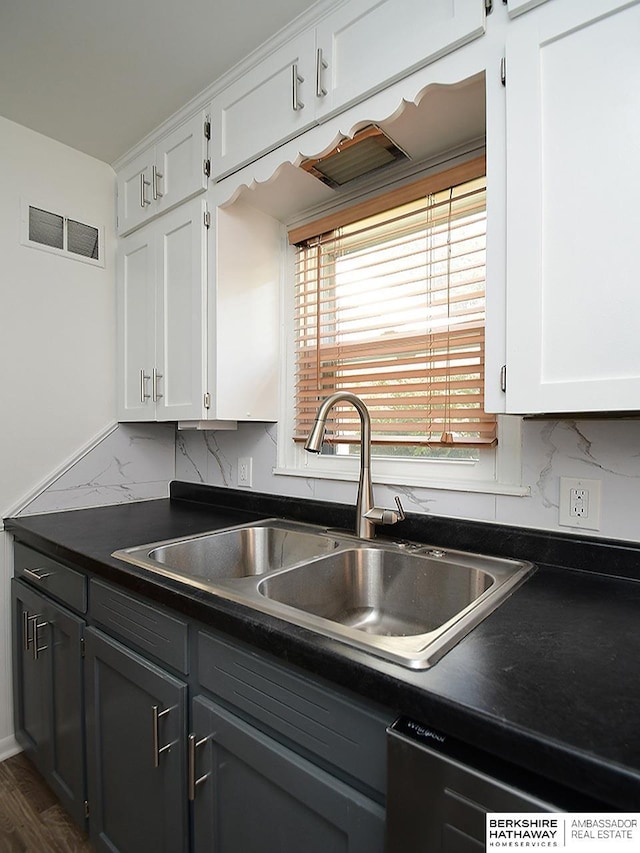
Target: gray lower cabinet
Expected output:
[48,693]
[136,751]
[254,795]
[176,739]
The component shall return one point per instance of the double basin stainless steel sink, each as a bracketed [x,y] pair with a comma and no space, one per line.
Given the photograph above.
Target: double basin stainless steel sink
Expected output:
[406,602]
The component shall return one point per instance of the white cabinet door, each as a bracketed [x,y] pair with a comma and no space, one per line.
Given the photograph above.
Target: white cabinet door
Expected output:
[361,47]
[181,313]
[573,172]
[271,103]
[161,341]
[366,45]
[136,325]
[180,159]
[134,192]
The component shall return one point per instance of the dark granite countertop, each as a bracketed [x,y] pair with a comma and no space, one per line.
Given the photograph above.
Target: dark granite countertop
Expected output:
[549,681]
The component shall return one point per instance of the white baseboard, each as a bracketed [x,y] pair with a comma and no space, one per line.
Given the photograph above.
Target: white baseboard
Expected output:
[9,746]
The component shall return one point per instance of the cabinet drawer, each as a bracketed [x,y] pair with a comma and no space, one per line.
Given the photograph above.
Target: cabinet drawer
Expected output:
[342,732]
[51,577]
[143,625]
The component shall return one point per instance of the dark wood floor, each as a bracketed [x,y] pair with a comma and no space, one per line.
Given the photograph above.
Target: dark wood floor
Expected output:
[31,818]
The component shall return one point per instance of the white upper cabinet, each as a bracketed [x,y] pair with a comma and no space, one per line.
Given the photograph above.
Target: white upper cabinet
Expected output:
[161,297]
[166,174]
[136,324]
[573,172]
[363,46]
[271,103]
[198,343]
[182,164]
[134,197]
[181,282]
[356,50]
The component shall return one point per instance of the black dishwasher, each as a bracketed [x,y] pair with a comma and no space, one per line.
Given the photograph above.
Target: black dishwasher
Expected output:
[439,791]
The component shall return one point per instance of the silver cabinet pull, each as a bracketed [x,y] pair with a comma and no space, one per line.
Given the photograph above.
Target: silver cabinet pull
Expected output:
[30,639]
[154,385]
[37,574]
[36,649]
[296,79]
[26,639]
[156,176]
[193,783]
[143,391]
[144,201]
[321,65]
[156,715]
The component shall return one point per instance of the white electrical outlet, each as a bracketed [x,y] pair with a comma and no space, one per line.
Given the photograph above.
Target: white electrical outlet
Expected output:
[579,503]
[245,472]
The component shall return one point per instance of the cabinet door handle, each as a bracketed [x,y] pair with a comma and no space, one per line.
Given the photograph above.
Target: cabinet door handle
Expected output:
[321,65]
[296,79]
[156,176]
[143,391]
[37,574]
[193,783]
[144,201]
[26,639]
[154,385]
[156,715]
[36,649]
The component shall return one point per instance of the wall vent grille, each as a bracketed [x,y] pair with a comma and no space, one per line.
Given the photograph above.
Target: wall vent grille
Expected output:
[62,235]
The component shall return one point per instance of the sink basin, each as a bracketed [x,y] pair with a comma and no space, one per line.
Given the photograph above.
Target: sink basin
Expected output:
[378,591]
[401,601]
[236,553]
[408,606]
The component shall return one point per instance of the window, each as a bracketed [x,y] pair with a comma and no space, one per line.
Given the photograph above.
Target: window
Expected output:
[389,303]
[391,307]
[53,232]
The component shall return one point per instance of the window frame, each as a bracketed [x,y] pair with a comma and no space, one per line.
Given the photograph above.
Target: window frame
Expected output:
[498,471]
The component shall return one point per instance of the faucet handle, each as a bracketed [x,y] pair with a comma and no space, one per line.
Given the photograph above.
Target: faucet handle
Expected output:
[386,516]
[401,515]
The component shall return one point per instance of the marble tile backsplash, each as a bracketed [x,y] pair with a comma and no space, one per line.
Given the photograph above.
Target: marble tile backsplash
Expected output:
[607,450]
[134,462]
[137,461]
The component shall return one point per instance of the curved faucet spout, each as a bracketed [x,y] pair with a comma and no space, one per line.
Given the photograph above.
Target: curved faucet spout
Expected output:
[365,528]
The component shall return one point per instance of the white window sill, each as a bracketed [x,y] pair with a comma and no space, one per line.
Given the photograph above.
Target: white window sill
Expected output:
[479,486]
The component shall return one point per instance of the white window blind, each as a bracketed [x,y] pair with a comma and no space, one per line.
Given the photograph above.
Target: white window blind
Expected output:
[392,307]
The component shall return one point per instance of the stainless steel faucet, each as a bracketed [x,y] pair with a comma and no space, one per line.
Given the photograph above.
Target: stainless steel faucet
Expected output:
[367,515]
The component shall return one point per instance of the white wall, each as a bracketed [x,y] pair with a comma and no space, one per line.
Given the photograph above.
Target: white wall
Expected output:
[59,445]
[57,343]
[608,450]
[57,321]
